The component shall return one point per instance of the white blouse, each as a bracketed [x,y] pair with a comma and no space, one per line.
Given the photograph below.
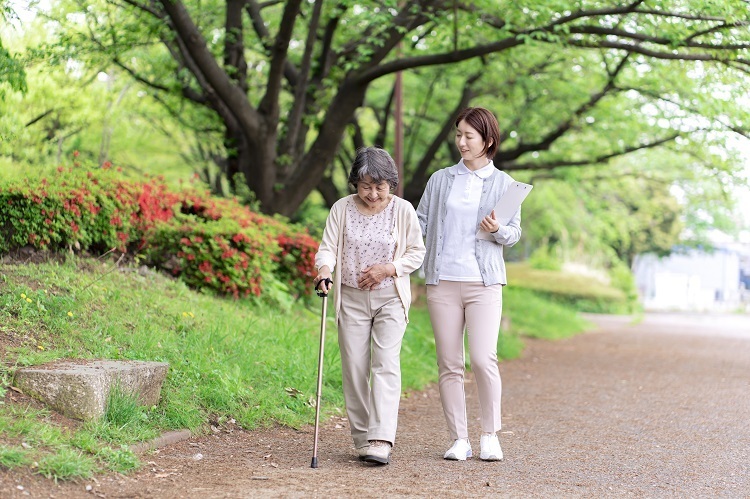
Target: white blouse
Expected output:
[459,259]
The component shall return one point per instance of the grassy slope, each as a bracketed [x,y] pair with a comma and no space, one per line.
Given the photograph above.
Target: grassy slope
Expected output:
[228,359]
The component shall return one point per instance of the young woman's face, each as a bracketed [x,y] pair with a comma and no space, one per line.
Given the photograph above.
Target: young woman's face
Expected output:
[469,142]
[371,192]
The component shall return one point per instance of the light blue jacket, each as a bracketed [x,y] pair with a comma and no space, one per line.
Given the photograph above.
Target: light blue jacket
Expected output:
[431,213]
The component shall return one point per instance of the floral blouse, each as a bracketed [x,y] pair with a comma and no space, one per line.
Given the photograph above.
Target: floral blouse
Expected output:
[368,240]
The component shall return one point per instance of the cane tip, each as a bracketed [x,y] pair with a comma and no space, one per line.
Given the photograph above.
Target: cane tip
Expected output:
[314,463]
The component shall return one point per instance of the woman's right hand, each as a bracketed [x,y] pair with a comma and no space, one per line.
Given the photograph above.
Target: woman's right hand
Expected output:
[323,274]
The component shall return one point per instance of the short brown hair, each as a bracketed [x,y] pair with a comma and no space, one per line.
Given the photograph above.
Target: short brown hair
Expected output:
[483,121]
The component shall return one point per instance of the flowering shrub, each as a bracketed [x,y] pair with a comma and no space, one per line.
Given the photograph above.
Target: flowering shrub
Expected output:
[89,210]
[220,255]
[208,242]
[297,261]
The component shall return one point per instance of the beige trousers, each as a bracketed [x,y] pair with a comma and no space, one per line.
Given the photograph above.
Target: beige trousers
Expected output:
[371,327]
[454,306]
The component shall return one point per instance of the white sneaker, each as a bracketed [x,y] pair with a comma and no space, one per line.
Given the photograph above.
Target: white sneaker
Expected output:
[362,452]
[490,448]
[459,451]
[379,452]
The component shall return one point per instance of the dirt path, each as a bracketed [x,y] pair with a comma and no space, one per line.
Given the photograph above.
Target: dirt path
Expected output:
[661,409]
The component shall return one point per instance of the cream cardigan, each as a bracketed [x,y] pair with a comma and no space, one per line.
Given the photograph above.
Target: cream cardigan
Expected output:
[407,258]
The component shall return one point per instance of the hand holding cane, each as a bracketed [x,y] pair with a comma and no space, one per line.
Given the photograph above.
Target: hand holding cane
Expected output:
[323,293]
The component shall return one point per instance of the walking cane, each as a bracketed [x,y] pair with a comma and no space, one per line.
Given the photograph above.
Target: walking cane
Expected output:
[324,295]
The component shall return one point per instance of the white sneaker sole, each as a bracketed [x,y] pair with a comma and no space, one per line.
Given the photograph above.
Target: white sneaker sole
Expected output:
[453,457]
[490,458]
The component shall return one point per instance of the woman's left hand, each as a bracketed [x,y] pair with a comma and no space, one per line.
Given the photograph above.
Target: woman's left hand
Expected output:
[374,275]
[490,223]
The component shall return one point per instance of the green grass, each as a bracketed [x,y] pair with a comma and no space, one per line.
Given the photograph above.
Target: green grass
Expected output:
[580,292]
[65,464]
[535,316]
[12,457]
[228,359]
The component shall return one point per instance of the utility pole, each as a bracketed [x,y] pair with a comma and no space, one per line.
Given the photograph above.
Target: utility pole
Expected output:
[399,131]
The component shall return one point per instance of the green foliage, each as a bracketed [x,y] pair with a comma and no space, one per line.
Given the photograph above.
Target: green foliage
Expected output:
[122,408]
[66,464]
[543,259]
[531,314]
[584,293]
[120,460]
[217,255]
[624,280]
[570,89]
[124,420]
[213,244]
[12,73]
[85,209]
[12,457]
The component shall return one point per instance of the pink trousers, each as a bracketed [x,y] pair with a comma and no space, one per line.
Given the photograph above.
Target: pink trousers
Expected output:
[453,307]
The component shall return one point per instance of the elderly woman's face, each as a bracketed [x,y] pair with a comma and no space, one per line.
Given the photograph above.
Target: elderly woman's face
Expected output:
[371,192]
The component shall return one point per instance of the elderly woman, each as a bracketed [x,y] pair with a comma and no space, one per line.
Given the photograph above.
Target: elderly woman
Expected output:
[373,241]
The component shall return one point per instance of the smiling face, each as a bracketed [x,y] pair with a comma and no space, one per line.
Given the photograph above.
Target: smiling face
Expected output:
[470,143]
[373,194]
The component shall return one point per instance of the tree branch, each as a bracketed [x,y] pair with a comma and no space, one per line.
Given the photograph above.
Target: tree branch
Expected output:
[40,117]
[294,122]
[269,104]
[596,160]
[234,45]
[418,180]
[232,96]
[376,72]
[547,141]
[624,34]
[638,49]
[733,128]
[253,11]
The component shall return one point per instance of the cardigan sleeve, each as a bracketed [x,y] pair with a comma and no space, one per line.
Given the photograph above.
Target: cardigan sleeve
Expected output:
[510,234]
[423,208]
[328,249]
[410,236]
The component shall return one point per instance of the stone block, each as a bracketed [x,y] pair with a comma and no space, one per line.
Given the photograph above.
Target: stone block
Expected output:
[79,389]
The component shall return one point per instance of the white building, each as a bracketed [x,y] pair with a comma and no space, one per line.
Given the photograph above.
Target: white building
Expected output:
[696,280]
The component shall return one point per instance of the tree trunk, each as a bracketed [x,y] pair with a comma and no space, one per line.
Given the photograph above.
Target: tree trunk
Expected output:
[320,155]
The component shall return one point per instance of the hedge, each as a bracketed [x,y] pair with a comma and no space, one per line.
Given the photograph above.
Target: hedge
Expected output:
[212,243]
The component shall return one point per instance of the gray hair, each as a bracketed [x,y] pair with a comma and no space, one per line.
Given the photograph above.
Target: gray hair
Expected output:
[376,163]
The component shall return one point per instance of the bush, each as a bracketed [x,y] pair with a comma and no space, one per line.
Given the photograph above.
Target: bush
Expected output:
[543,259]
[93,210]
[219,255]
[210,243]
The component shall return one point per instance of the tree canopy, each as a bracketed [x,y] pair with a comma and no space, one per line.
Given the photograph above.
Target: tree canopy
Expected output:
[623,117]
[12,73]
[278,90]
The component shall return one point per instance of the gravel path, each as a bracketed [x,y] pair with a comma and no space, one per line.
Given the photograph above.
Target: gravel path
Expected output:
[657,409]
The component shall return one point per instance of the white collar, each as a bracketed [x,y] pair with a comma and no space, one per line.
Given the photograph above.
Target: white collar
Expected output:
[483,173]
